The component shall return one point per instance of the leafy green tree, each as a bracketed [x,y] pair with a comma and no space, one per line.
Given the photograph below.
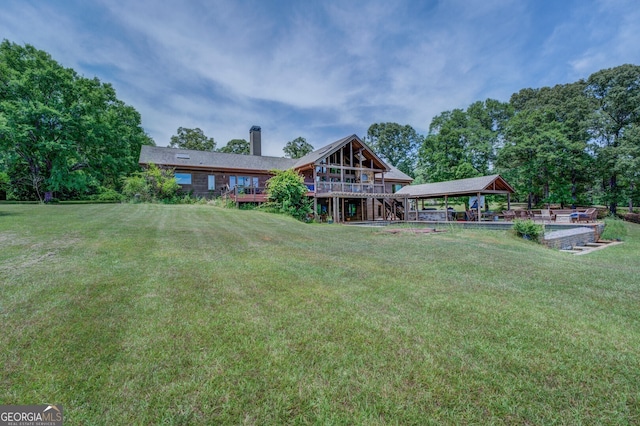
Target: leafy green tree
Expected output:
[463,144]
[617,94]
[628,164]
[568,106]
[288,193]
[151,185]
[297,148]
[192,139]
[60,132]
[395,143]
[236,146]
[536,155]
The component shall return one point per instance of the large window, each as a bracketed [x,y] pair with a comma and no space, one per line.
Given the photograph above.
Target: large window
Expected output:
[183,178]
[243,182]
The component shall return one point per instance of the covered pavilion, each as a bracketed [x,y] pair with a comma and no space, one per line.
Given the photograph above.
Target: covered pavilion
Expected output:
[477,186]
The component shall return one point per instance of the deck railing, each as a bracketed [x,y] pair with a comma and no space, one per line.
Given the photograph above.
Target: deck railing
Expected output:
[365,188]
[259,193]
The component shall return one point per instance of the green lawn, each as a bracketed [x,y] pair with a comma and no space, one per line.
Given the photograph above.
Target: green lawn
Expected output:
[147,314]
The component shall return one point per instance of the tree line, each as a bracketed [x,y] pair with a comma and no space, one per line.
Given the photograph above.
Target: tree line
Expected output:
[197,140]
[571,144]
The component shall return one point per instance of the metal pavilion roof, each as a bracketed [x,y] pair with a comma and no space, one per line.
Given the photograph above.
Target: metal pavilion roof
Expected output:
[493,184]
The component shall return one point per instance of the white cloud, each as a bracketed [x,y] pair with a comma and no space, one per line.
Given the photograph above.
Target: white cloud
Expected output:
[321,70]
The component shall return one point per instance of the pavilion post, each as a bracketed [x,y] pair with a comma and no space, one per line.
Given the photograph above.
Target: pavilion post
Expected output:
[446,208]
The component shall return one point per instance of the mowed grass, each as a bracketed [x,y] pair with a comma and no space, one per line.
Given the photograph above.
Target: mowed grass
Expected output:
[153,314]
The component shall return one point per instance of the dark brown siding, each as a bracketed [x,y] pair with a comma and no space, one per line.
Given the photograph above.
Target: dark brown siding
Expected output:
[200,182]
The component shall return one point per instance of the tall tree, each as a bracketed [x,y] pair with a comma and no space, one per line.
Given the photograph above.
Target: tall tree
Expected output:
[395,143]
[617,93]
[60,132]
[462,144]
[236,146]
[536,155]
[192,139]
[549,123]
[297,148]
[628,164]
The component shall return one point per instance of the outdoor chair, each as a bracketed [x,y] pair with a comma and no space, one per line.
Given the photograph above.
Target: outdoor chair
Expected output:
[545,215]
[471,215]
[509,215]
[589,215]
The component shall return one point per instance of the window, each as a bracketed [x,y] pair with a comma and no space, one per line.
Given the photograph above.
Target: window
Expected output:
[243,182]
[183,178]
[396,187]
[211,183]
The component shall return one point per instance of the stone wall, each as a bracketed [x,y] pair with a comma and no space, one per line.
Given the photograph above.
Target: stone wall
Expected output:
[569,238]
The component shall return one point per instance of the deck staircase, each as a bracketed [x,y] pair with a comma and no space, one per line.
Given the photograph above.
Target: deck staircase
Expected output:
[393,209]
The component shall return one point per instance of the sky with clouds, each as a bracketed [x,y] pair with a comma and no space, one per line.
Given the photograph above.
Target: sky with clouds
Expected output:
[321,69]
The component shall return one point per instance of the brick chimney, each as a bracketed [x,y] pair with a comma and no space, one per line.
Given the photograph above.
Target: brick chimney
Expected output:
[255,140]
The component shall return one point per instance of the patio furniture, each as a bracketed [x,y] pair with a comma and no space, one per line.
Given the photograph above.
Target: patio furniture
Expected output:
[545,215]
[509,215]
[589,215]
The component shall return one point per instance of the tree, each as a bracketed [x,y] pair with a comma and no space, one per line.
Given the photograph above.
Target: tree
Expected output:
[545,148]
[395,143]
[628,164]
[236,146]
[192,139]
[536,157]
[297,148]
[287,191]
[617,94]
[60,132]
[463,144]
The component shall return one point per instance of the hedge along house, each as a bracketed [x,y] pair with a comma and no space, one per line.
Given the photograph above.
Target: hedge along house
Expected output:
[346,179]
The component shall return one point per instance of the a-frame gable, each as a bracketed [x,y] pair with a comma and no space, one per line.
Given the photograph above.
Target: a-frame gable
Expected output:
[316,157]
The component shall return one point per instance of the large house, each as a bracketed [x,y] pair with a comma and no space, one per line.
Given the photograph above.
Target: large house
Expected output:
[346,179]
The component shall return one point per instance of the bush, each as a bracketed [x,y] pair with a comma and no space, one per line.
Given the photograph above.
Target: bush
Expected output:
[632,217]
[152,185]
[528,229]
[108,195]
[614,229]
[288,193]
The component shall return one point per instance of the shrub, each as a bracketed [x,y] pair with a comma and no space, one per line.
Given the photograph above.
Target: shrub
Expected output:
[614,229]
[528,229]
[288,193]
[632,217]
[108,195]
[153,184]
[223,202]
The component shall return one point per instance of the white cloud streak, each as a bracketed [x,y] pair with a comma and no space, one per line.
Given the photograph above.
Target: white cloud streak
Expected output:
[320,70]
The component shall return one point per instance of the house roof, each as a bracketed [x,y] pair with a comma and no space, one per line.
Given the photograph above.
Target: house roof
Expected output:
[395,174]
[205,159]
[186,158]
[317,155]
[493,184]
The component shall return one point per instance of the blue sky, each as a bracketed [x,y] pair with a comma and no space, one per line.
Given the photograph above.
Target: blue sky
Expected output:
[321,69]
